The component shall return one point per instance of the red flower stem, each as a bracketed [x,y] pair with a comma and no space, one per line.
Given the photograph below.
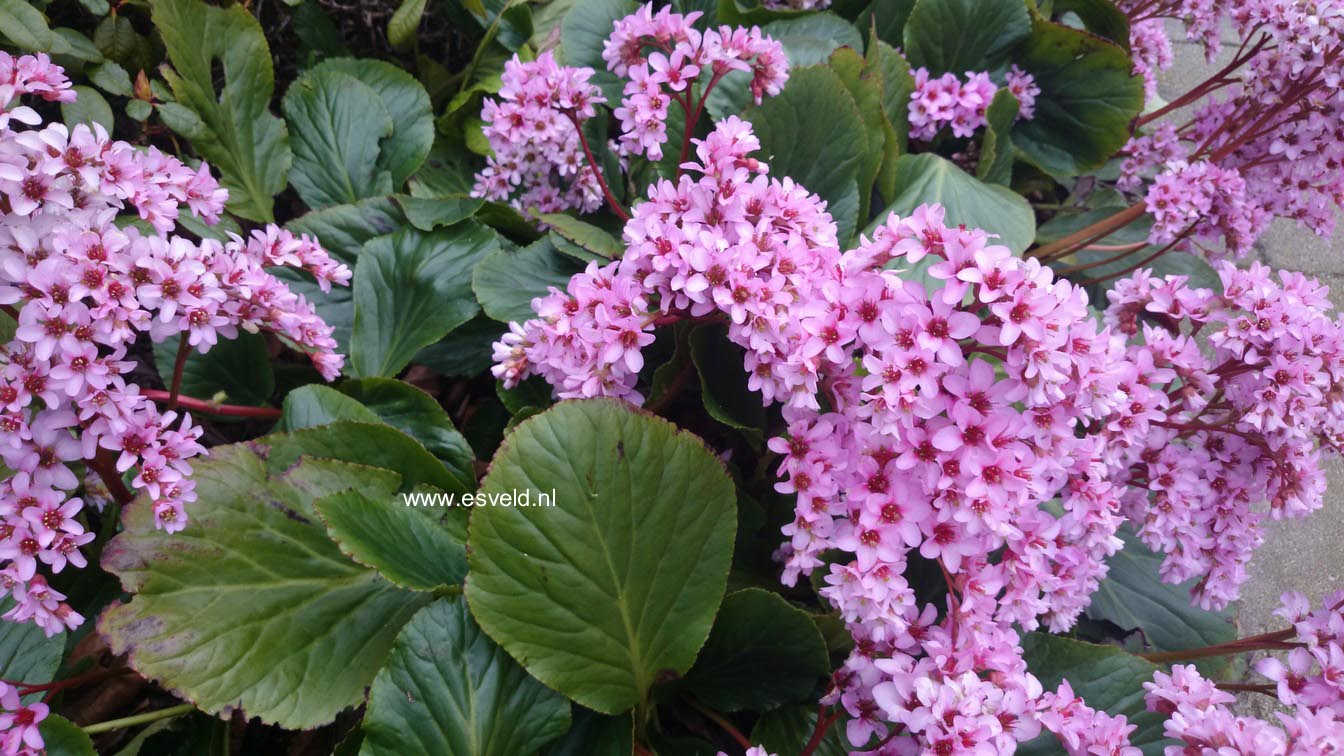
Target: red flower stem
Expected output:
[824,723]
[1094,231]
[724,724]
[592,163]
[213,408]
[1103,261]
[1208,85]
[1140,263]
[175,387]
[1277,640]
[91,677]
[106,469]
[693,118]
[1233,687]
[10,311]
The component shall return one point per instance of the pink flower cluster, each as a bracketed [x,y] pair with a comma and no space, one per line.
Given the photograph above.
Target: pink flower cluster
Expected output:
[19,734]
[1216,433]
[952,415]
[681,57]
[947,100]
[1310,685]
[534,128]
[534,133]
[83,290]
[1263,140]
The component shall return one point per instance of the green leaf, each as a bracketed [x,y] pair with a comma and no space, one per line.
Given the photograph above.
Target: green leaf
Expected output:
[88,107]
[1100,17]
[618,583]
[1134,597]
[1088,98]
[888,19]
[402,153]
[240,138]
[343,230]
[64,738]
[25,26]
[71,43]
[117,39]
[410,289]
[417,414]
[788,728]
[111,78]
[595,734]
[236,371]
[927,178]
[863,78]
[313,405]
[506,282]
[762,653]
[364,443]
[897,86]
[723,382]
[403,543]
[404,25]
[465,352]
[335,124]
[585,30]
[584,234]
[428,214]
[996,147]
[252,607]
[27,654]
[139,110]
[809,40]
[448,689]
[1106,677]
[822,154]
[964,35]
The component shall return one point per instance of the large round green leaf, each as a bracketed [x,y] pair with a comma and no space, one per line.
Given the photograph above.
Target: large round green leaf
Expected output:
[418,415]
[506,282]
[821,153]
[411,288]
[448,689]
[252,606]
[405,544]
[927,179]
[335,124]
[1088,97]
[368,444]
[1134,597]
[405,99]
[619,581]
[964,35]
[761,653]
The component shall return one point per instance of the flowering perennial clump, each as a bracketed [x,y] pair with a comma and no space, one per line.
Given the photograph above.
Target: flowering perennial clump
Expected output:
[536,129]
[988,425]
[82,289]
[1263,139]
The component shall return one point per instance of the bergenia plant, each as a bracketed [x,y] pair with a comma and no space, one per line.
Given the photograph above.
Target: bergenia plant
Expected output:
[764,377]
